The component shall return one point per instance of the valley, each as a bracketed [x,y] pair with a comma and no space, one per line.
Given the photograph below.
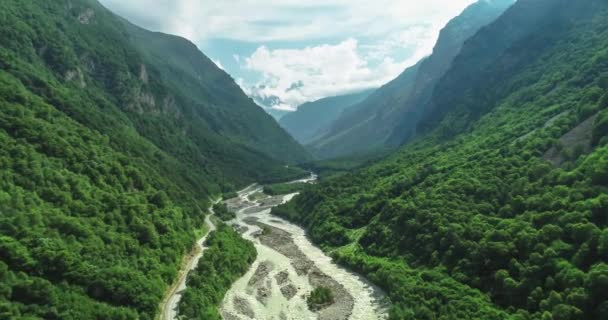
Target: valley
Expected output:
[139,179]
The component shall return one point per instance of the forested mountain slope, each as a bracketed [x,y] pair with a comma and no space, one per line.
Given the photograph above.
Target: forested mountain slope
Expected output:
[214,97]
[357,130]
[312,119]
[108,159]
[475,219]
[390,115]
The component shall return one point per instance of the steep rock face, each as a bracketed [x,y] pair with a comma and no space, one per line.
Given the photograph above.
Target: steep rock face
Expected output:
[312,119]
[211,96]
[389,117]
[450,42]
[515,41]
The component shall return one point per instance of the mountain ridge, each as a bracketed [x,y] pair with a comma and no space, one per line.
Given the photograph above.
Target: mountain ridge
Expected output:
[311,119]
[388,119]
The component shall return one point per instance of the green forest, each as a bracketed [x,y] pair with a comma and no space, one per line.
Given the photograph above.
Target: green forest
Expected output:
[500,209]
[319,298]
[285,188]
[221,211]
[106,162]
[226,259]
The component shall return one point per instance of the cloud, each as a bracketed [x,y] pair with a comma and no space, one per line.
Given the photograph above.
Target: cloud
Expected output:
[421,37]
[296,76]
[282,20]
[218,63]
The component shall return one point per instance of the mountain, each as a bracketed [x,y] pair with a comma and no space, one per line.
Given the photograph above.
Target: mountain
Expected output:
[360,128]
[213,96]
[312,118]
[475,71]
[497,208]
[113,139]
[389,117]
[271,104]
[277,114]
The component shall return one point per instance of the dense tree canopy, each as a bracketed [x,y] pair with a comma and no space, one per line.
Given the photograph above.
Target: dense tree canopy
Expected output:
[222,212]
[227,258]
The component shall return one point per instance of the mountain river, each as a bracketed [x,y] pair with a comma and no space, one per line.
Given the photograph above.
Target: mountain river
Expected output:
[288,267]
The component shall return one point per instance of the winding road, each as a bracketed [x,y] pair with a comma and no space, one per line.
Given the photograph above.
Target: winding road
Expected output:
[168,310]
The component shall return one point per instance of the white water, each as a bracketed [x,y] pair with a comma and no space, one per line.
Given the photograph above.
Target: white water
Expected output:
[311,179]
[368,299]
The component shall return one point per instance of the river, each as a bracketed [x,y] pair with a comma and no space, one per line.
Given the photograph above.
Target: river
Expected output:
[288,267]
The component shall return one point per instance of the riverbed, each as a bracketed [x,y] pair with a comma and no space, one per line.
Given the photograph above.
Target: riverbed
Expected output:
[288,267]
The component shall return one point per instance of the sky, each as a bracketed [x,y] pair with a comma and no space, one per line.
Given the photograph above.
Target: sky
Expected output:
[287,52]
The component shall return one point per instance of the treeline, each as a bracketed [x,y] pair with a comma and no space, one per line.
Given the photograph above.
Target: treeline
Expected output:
[227,258]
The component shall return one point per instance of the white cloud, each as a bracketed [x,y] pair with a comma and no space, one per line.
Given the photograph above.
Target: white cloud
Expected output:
[283,20]
[420,37]
[330,70]
[218,63]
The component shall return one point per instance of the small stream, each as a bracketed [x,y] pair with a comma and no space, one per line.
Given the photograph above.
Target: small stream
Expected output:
[276,286]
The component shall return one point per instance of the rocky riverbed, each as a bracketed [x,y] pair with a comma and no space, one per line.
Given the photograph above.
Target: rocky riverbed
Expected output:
[288,268]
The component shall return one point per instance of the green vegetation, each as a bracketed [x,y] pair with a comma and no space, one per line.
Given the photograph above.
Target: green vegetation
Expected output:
[227,258]
[230,195]
[320,298]
[285,188]
[104,164]
[257,196]
[71,207]
[471,220]
[266,231]
[600,127]
[418,293]
[222,212]
[112,141]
